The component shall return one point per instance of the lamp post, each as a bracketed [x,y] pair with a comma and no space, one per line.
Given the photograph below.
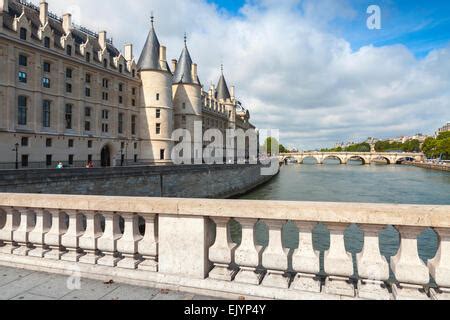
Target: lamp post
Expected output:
[17,155]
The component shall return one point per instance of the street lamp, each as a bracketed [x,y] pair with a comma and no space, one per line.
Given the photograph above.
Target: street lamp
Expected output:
[17,155]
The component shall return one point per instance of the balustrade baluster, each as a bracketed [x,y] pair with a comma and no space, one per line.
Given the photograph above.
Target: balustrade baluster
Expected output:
[70,240]
[88,241]
[410,271]
[275,257]
[107,243]
[221,254]
[248,255]
[373,268]
[338,263]
[305,260]
[53,237]
[128,244]
[21,235]
[12,220]
[440,266]
[37,236]
[148,246]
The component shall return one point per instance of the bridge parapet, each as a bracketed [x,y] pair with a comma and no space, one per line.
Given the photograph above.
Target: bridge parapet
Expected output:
[103,238]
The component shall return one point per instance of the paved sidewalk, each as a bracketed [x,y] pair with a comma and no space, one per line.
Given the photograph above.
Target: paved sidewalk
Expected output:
[19,284]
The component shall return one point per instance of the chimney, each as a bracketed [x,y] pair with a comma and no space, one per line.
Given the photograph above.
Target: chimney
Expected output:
[43,12]
[194,72]
[129,52]
[232,93]
[102,39]
[67,22]
[174,64]
[4,5]
[162,53]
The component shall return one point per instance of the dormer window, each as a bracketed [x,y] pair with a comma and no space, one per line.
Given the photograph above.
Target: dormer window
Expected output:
[47,42]
[88,57]
[23,33]
[69,50]
[120,68]
[105,63]
[133,73]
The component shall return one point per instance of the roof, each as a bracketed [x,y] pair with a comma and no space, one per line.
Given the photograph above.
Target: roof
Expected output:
[149,59]
[183,72]
[222,92]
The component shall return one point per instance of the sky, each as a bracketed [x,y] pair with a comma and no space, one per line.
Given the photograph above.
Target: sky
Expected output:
[310,68]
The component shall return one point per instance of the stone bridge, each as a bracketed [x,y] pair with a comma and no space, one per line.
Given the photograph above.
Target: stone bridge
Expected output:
[345,157]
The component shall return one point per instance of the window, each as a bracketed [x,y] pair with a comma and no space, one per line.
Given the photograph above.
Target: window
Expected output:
[87,92]
[120,99]
[133,73]
[135,158]
[184,105]
[162,154]
[105,114]
[70,143]
[88,78]
[120,122]
[23,33]
[23,60]
[135,145]
[22,77]
[158,128]
[133,125]
[158,113]
[105,83]
[88,57]
[46,114]
[105,96]
[89,157]
[120,68]
[68,87]
[46,82]
[46,66]
[24,160]
[87,112]
[89,144]
[70,159]
[133,102]
[157,97]
[48,142]
[69,50]
[122,145]
[133,91]
[68,116]
[24,142]
[47,42]
[69,73]
[105,63]
[105,127]
[183,119]
[22,111]
[48,160]
[120,87]
[87,126]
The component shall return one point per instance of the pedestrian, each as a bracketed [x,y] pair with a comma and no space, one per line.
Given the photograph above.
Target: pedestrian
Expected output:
[60,165]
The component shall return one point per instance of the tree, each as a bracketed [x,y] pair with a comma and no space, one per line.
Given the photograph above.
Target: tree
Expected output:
[272,142]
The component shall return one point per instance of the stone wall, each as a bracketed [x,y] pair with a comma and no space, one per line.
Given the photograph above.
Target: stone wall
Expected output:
[219,181]
[441,167]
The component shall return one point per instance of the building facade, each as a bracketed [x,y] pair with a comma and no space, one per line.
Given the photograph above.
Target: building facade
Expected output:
[68,95]
[445,128]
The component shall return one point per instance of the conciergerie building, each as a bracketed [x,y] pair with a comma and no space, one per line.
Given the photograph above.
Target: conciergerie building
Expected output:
[68,95]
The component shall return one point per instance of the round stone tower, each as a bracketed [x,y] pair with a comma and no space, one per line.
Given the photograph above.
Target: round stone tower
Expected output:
[156,112]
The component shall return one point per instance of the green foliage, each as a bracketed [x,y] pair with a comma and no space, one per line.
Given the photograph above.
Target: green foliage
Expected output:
[408,146]
[361,147]
[435,148]
[267,146]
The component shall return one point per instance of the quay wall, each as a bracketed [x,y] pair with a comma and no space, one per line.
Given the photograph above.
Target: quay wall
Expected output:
[201,181]
[440,167]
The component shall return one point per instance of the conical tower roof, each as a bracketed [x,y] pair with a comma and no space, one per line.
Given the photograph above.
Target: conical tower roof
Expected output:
[149,59]
[183,72]
[222,92]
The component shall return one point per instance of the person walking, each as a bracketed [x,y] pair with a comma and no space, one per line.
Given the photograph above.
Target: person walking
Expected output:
[60,166]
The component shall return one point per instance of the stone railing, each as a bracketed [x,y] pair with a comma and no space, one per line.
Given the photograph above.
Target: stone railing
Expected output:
[186,244]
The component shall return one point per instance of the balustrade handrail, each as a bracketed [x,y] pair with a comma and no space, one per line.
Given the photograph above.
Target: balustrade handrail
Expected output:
[435,216]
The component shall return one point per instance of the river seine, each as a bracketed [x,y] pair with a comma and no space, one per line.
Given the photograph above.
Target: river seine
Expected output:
[354,183]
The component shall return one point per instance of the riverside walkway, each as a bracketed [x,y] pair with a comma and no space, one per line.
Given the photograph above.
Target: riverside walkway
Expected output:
[20,284]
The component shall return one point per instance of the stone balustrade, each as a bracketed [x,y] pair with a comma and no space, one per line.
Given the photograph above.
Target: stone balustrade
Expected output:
[187,244]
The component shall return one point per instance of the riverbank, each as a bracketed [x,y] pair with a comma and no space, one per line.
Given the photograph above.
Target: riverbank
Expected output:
[432,166]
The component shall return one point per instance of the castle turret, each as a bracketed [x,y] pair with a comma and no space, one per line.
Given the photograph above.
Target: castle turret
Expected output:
[187,97]
[156,115]
[223,95]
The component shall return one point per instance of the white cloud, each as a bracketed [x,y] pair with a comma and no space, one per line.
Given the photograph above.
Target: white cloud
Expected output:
[289,70]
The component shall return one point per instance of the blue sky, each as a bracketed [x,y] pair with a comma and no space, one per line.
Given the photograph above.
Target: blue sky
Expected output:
[421,25]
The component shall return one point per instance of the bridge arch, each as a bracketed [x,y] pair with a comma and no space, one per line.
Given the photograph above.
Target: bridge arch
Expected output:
[311,157]
[378,158]
[363,160]
[333,157]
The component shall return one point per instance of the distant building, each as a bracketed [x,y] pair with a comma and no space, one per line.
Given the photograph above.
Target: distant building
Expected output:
[445,128]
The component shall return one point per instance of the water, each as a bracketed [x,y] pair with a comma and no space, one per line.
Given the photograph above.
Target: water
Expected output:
[354,183]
